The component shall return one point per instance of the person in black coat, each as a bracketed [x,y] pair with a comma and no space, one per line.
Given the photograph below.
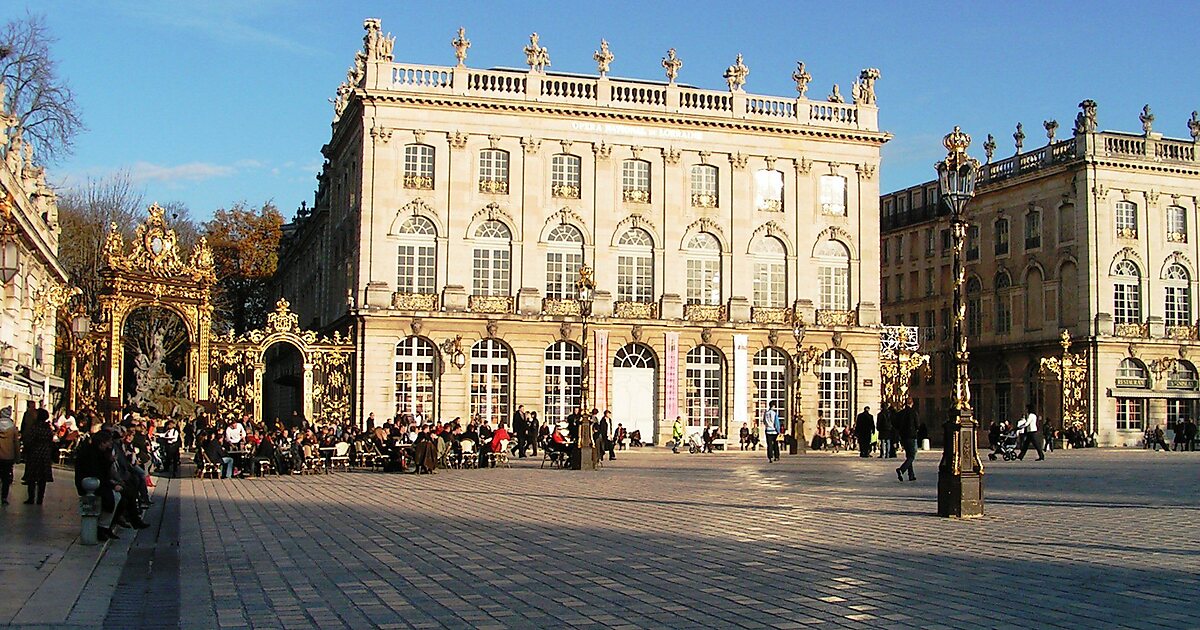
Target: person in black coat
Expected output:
[904,423]
[606,434]
[520,425]
[864,426]
[39,456]
[533,434]
[94,458]
[883,422]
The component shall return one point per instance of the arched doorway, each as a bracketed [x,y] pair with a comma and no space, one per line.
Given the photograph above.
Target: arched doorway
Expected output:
[634,385]
[282,383]
[563,381]
[156,357]
[835,389]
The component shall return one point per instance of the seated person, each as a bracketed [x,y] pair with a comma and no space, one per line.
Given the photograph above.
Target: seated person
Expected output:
[558,440]
[216,454]
[635,438]
[266,452]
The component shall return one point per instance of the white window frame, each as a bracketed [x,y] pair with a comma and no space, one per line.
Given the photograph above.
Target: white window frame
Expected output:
[494,166]
[832,195]
[416,256]
[833,275]
[834,404]
[1126,216]
[1177,229]
[704,270]
[491,261]
[770,273]
[705,185]
[1001,245]
[564,257]
[563,379]
[1177,307]
[1131,414]
[768,190]
[491,377]
[1127,293]
[771,381]
[635,266]
[635,180]
[704,380]
[566,176]
[415,384]
[418,166]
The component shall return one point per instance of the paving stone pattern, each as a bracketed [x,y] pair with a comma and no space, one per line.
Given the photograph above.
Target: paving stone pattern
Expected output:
[1086,538]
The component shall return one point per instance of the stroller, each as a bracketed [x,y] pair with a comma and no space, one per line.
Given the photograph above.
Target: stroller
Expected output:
[695,444]
[1006,446]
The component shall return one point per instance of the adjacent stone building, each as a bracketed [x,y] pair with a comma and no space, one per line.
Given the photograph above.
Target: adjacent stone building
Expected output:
[457,205]
[1095,234]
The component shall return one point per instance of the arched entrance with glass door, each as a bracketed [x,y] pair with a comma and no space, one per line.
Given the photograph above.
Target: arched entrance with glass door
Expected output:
[634,385]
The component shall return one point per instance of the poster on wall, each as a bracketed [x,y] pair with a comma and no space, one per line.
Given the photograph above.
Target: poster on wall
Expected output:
[671,374]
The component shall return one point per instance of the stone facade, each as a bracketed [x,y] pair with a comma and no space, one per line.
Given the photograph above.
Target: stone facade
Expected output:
[1094,234]
[457,202]
[28,217]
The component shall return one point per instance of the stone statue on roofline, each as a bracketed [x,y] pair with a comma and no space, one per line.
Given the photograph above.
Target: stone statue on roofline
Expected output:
[461,44]
[376,45]
[672,64]
[836,95]
[735,75]
[864,88]
[1085,120]
[801,77]
[537,57]
[603,57]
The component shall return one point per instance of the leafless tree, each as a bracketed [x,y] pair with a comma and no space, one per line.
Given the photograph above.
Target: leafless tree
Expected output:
[84,214]
[42,102]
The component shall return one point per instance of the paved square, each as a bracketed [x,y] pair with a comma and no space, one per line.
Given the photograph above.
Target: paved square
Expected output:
[1086,538]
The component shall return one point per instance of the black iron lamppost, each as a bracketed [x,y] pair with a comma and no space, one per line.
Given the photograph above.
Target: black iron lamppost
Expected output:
[585,292]
[960,473]
[801,360]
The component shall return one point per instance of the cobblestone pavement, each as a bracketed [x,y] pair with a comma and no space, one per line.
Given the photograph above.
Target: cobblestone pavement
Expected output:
[1086,538]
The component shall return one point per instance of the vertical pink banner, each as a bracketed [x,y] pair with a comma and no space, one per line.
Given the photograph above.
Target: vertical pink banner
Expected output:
[601,363]
[671,376]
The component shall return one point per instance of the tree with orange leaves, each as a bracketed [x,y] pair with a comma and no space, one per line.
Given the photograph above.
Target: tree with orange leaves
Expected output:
[245,246]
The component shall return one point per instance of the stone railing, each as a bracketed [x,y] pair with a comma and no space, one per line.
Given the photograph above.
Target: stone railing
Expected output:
[635,310]
[771,315]
[704,312]
[561,306]
[493,186]
[621,94]
[490,303]
[1132,329]
[1182,333]
[415,301]
[837,318]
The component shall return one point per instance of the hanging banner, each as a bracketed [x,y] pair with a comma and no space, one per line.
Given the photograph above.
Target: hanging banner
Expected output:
[671,376]
[601,363]
[741,394]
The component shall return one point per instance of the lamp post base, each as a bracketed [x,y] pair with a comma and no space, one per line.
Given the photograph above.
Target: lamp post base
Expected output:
[960,474]
[585,457]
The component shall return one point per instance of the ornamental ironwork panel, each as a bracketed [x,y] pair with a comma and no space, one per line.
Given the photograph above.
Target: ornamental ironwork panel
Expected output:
[827,317]
[556,306]
[490,303]
[635,195]
[704,200]
[564,191]
[415,301]
[704,312]
[493,186]
[1182,333]
[1132,329]
[418,182]
[636,310]
[771,315]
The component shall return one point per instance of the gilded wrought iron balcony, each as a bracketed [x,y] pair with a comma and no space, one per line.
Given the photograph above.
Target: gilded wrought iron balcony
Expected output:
[826,317]
[1138,330]
[1126,232]
[490,303]
[564,191]
[1176,237]
[635,195]
[704,200]
[561,306]
[704,312]
[1183,333]
[418,182]
[415,301]
[771,205]
[635,310]
[771,315]
[493,186]
[833,209]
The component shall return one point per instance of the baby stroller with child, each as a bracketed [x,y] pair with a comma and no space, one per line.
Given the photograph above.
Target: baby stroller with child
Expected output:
[1006,446]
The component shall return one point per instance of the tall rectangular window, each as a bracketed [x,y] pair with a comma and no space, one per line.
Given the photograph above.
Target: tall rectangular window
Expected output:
[565,173]
[1001,237]
[635,278]
[1130,412]
[703,281]
[929,242]
[833,195]
[768,190]
[704,186]
[635,181]
[415,269]
[973,242]
[493,171]
[1127,219]
[1176,225]
[418,166]
[1033,229]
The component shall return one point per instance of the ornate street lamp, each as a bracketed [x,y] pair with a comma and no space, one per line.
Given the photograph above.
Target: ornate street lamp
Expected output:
[81,327]
[453,350]
[801,360]
[585,292]
[960,473]
[10,246]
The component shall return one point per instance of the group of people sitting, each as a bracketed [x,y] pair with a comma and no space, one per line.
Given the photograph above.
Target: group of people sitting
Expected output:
[111,456]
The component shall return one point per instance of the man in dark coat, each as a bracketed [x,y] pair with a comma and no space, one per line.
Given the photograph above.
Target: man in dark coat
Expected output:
[606,440]
[884,425]
[94,458]
[864,426]
[905,425]
[520,424]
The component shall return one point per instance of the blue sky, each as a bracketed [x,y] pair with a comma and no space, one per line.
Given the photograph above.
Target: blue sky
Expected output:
[214,102]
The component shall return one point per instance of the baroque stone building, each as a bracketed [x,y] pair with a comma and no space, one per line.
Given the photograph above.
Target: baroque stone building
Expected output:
[1094,234]
[38,285]
[456,207]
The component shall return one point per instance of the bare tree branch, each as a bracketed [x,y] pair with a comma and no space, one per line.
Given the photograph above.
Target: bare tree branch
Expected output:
[42,102]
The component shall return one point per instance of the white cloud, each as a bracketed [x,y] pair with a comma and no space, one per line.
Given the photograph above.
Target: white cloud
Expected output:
[142,172]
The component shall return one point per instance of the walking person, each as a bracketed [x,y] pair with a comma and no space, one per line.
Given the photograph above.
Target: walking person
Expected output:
[520,425]
[1029,434]
[676,434]
[905,425]
[1156,439]
[39,455]
[606,436]
[884,425]
[8,451]
[770,422]
[1190,435]
[864,426]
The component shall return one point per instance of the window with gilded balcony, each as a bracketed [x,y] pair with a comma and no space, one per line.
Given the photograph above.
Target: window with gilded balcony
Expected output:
[416,255]
[492,259]
[704,270]
[418,167]
[1127,293]
[564,256]
[1033,229]
[770,273]
[833,195]
[1176,225]
[833,274]
[1177,310]
[1000,237]
[565,170]
[635,181]
[493,171]
[635,267]
[768,190]
[704,186]
[1127,219]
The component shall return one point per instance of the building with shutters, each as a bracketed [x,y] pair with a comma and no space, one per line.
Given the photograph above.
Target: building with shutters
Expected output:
[457,205]
[1093,234]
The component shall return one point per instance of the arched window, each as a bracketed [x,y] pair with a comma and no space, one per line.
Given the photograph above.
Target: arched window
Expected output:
[415,376]
[833,195]
[704,186]
[635,181]
[1176,225]
[565,172]
[418,166]
[1178,307]
[635,355]
[564,256]
[635,266]
[492,259]
[493,171]
[1127,293]
[833,390]
[768,190]
[563,381]
[833,273]
[771,382]
[704,270]
[1003,303]
[416,269]
[1132,373]
[490,380]
[1001,237]
[1035,313]
[704,382]
[1127,219]
[974,308]
[770,272]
